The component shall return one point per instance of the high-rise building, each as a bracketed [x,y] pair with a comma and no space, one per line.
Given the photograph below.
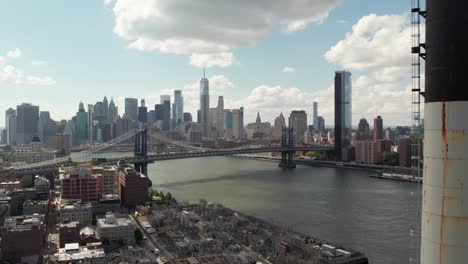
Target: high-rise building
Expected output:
[131,108]
[105,110]
[81,124]
[280,122]
[363,132]
[188,117]
[10,126]
[113,111]
[315,117]
[221,123]
[404,151]
[163,98]
[238,123]
[343,117]
[298,122]
[90,124]
[321,124]
[142,112]
[178,107]
[204,119]
[228,117]
[27,121]
[378,129]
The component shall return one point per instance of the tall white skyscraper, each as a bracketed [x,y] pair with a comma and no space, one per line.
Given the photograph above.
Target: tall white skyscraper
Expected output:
[204,106]
[315,117]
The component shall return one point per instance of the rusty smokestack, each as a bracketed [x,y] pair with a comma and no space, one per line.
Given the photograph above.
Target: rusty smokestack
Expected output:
[444,237]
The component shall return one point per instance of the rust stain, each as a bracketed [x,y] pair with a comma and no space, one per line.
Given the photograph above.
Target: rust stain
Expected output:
[445,161]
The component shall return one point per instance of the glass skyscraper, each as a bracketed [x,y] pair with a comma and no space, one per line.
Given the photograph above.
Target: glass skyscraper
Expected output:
[204,118]
[27,122]
[342,113]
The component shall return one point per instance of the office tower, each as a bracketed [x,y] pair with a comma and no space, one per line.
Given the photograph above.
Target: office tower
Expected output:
[142,112]
[258,129]
[123,125]
[81,124]
[178,107]
[26,123]
[228,132]
[204,106]
[113,111]
[298,122]
[342,113]
[131,108]
[378,128]
[280,122]
[44,130]
[363,132]
[321,124]
[315,117]
[10,126]
[238,123]
[163,98]
[404,151]
[221,123]
[105,110]
[90,124]
[188,117]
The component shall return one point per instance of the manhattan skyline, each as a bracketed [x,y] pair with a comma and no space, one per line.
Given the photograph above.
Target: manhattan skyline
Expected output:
[282,70]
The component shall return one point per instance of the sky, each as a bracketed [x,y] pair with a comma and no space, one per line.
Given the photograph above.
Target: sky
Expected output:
[269,56]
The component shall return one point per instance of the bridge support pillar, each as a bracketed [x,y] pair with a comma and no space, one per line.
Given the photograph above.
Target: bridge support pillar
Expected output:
[141,152]
[287,141]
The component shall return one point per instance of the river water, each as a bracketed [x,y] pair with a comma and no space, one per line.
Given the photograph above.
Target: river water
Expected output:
[341,206]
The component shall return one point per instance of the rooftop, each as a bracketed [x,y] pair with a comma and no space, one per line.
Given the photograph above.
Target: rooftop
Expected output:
[73,251]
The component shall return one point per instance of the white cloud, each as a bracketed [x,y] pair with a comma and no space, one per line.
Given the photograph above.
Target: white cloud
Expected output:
[16,53]
[9,74]
[289,69]
[39,63]
[378,47]
[375,42]
[208,30]
[108,2]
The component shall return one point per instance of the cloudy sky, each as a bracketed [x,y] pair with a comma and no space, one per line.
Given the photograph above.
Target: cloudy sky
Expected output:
[269,56]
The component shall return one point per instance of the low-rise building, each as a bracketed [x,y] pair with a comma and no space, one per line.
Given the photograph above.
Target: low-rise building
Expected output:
[22,238]
[10,185]
[133,187]
[41,183]
[75,211]
[80,183]
[115,229]
[33,153]
[92,253]
[35,207]
[69,233]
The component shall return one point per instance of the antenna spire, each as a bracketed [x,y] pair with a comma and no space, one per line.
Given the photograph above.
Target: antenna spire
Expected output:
[204,71]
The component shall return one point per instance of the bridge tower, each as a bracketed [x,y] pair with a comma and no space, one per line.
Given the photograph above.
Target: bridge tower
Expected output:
[287,142]
[141,151]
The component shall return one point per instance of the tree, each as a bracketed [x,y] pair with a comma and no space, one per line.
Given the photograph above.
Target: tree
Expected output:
[138,235]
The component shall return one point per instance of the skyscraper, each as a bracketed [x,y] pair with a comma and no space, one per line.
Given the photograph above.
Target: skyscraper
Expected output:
[81,124]
[363,132]
[221,124]
[166,112]
[90,124]
[342,112]
[205,106]
[142,112]
[105,110]
[378,128]
[315,117]
[131,108]
[113,111]
[238,123]
[321,124]
[10,126]
[298,122]
[178,107]
[26,123]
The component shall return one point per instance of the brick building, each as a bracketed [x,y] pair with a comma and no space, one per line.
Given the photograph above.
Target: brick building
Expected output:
[133,187]
[79,183]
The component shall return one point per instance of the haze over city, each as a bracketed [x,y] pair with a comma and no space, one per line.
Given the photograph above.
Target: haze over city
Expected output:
[279,60]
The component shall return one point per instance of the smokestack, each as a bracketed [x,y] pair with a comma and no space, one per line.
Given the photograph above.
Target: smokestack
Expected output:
[445,191]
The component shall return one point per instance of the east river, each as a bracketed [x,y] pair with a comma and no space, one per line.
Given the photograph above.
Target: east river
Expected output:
[341,206]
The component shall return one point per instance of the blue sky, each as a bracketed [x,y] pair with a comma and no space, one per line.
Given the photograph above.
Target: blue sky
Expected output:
[69,51]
